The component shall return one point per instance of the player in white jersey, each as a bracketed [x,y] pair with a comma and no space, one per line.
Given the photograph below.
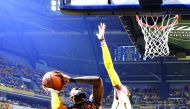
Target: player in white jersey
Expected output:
[121,92]
[121,99]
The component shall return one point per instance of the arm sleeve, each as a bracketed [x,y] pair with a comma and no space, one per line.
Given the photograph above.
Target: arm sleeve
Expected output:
[109,66]
[56,102]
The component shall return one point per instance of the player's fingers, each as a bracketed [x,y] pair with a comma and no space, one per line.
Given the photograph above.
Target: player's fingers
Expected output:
[99,27]
[45,88]
[51,90]
[104,26]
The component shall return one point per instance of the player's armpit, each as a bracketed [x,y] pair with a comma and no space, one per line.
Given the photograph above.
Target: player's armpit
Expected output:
[56,102]
[109,66]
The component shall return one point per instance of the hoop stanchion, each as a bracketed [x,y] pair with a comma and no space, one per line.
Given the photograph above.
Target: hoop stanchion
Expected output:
[156,30]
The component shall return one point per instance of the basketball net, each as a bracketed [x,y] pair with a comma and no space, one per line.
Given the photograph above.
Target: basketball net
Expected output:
[156,30]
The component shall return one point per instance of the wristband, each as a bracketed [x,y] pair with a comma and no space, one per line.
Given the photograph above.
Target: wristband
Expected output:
[72,80]
[101,39]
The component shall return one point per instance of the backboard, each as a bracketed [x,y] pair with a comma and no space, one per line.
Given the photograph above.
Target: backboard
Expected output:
[179,36]
[178,2]
[137,2]
[123,7]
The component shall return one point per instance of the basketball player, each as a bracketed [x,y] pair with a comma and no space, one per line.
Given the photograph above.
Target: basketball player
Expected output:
[121,92]
[77,95]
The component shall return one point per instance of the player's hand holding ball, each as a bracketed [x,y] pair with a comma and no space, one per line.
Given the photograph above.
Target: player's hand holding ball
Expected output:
[54,81]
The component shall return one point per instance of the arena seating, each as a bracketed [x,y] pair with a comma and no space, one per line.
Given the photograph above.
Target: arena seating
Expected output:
[11,75]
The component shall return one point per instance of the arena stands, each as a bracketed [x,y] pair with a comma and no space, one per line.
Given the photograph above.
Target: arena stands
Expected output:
[19,76]
[179,97]
[26,78]
[15,104]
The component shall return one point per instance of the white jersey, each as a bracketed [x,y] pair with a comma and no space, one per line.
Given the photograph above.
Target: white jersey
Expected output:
[121,100]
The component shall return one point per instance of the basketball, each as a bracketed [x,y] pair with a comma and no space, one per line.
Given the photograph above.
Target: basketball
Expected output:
[53,80]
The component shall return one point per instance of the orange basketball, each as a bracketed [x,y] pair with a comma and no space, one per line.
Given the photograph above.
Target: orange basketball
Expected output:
[53,80]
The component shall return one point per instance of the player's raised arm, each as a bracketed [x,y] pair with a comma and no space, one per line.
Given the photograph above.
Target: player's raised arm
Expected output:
[97,84]
[77,95]
[56,103]
[52,82]
[107,57]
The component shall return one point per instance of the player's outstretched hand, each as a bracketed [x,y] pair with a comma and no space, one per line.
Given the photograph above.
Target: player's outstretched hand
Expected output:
[101,33]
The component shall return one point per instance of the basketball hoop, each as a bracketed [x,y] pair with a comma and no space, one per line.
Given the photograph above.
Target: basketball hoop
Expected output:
[156,30]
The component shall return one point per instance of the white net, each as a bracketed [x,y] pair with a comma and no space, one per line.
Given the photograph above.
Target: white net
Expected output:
[156,30]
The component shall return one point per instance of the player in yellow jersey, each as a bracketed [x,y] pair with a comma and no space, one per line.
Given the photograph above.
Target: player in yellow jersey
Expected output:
[77,95]
[121,92]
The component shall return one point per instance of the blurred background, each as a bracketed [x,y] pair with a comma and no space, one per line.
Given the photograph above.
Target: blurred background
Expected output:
[35,37]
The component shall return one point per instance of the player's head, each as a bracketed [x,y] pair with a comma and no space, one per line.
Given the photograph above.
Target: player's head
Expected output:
[77,95]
